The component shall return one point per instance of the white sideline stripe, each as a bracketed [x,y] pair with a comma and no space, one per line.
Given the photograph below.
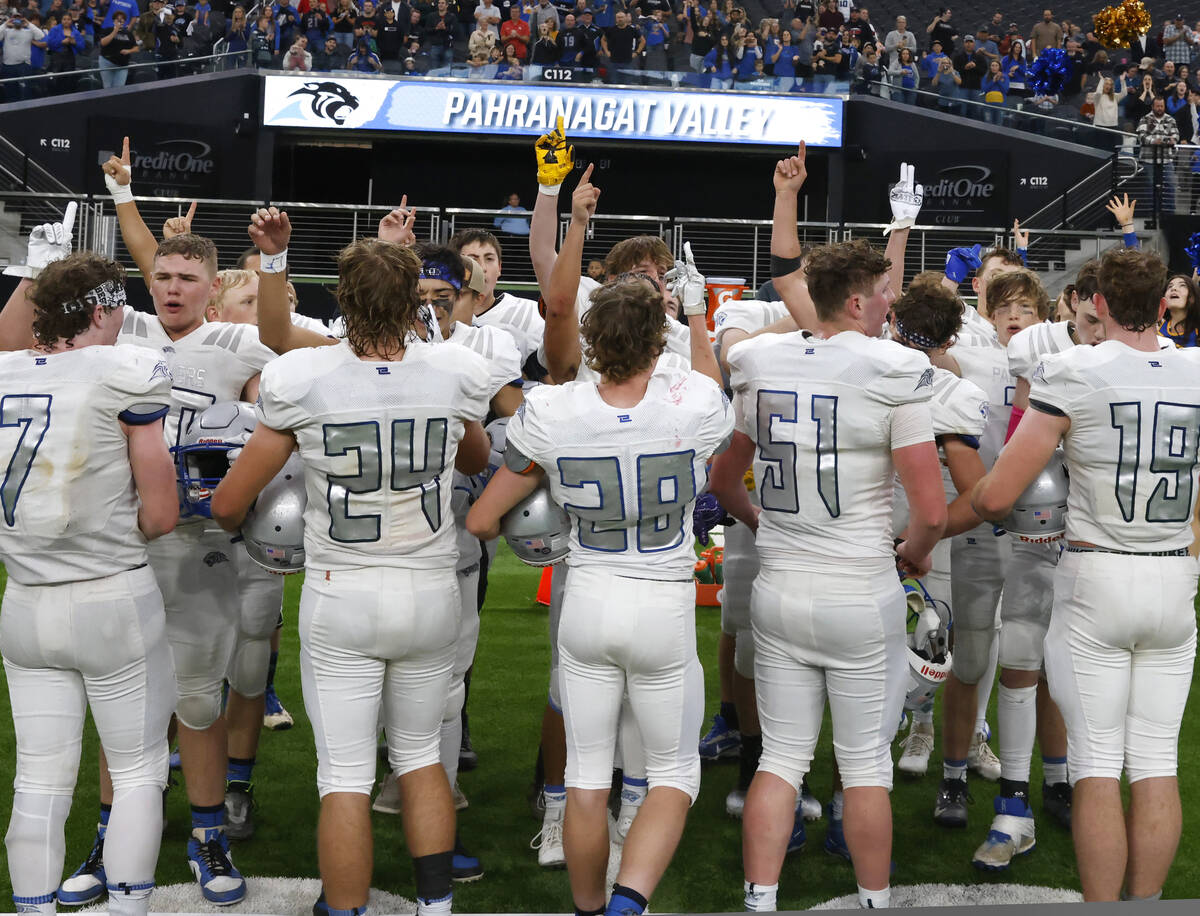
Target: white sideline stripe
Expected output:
[295,897]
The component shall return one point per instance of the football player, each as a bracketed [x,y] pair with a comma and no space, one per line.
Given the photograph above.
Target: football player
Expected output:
[827,555]
[380,420]
[624,452]
[1122,636]
[90,482]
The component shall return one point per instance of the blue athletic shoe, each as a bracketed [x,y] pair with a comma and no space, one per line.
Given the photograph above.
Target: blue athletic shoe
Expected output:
[464,867]
[275,717]
[208,857]
[835,839]
[88,883]
[175,762]
[798,840]
[721,742]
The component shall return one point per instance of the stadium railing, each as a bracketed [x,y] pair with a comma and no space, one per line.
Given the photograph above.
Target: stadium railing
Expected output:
[723,247]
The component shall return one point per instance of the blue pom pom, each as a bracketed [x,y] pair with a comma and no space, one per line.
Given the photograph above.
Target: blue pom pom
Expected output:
[1193,250]
[1050,72]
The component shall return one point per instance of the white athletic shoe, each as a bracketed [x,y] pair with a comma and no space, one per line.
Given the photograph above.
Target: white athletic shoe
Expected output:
[918,745]
[810,806]
[981,759]
[388,799]
[549,843]
[1011,834]
[735,803]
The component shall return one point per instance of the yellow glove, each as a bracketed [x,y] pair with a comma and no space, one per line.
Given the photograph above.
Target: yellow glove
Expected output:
[555,159]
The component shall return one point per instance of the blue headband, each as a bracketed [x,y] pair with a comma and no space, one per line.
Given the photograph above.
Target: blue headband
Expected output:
[919,339]
[434,270]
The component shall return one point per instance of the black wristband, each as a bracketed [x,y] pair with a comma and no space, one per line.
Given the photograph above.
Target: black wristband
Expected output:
[781,267]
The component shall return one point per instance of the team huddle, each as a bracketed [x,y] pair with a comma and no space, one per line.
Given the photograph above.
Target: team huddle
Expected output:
[914,492]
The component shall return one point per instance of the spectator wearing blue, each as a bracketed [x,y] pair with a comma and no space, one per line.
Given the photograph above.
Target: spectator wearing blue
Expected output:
[570,43]
[287,23]
[511,224]
[946,83]
[932,61]
[202,13]
[904,77]
[1014,65]
[63,43]
[783,63]
[510,68]
[746,55]
[237,37]
[718,63]
[316,25]
[38,48]
[657,35]
[994,87]
[870,76]
[364,59]
[128,7]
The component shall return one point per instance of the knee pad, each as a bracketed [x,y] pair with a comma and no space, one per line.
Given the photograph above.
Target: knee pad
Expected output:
[456,696]
[248,670]
[198,711]
[972,653]
[147,769]
[1023,644]
[743,653]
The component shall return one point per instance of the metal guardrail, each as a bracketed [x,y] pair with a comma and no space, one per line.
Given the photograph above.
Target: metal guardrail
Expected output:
[723,247]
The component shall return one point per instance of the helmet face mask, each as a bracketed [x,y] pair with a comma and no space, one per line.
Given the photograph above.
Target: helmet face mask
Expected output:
[537,529]
[927,646]
[273,530]
[206,451]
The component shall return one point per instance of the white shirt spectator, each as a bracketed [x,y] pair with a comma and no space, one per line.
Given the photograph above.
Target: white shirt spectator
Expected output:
[18,40]
[487,15]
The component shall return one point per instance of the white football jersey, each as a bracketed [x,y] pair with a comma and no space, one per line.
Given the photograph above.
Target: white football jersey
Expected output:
[69,502]
[1132,446]
[211,364]
[976,330]
[747,315]
[820,412]
[378,441]
[987,367]
[311,324]
[628,476]
[494,345]
[1029,347]
[520,318]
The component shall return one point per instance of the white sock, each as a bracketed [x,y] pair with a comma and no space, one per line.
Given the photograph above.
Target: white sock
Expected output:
[923,715]
[983,690]
[37,848]
[1054,770]
[836,805]
[874,900]
[129,898]
[1016,718]
[760,898]
[132,841]
[556,804]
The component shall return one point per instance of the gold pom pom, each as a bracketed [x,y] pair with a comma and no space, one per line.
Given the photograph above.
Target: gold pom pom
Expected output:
[1120,26]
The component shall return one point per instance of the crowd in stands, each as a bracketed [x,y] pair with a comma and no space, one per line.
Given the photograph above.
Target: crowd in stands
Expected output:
[800,45]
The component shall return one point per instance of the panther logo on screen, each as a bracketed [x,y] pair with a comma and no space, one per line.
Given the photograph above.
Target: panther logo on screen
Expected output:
[329,100]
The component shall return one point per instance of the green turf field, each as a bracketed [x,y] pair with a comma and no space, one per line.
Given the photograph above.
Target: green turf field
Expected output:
[507,694]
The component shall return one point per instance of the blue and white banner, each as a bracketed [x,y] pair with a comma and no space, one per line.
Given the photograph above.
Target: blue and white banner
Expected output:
[522,109]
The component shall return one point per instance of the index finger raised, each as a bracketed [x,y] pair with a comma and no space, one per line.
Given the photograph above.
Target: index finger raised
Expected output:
[68,220]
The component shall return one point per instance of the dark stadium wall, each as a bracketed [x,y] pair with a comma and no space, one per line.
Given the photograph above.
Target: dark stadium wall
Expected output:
[727,181]
[196,137]
[976,175]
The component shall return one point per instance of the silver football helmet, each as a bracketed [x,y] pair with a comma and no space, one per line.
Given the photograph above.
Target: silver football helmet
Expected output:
[537,529]
[927,647]
[1040,513]
[274,526]
[207,449]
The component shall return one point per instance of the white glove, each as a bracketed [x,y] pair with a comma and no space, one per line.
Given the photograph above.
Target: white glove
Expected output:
[48,243]
[905,198]
[121,193]
[687,284]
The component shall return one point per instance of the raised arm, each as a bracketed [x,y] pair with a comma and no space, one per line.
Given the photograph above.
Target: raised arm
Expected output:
[48,242]
[562,319]
[905,197]
[555,160]
[269,231]
[136,235]
[786,271]
[691,289]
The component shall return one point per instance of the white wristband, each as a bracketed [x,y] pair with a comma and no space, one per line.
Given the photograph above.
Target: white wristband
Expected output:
[273,263]
[121,193]
[550,190]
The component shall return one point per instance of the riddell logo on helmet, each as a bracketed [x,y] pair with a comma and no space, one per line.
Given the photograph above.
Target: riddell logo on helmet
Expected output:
[934,674]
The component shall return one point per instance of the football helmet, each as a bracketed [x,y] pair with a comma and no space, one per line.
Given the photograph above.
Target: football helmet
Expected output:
[537,529]
[274,526]
[207,449]
[1040,513]
[927,646]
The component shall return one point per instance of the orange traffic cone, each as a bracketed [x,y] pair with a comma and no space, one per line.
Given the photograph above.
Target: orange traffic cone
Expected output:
[543,592]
